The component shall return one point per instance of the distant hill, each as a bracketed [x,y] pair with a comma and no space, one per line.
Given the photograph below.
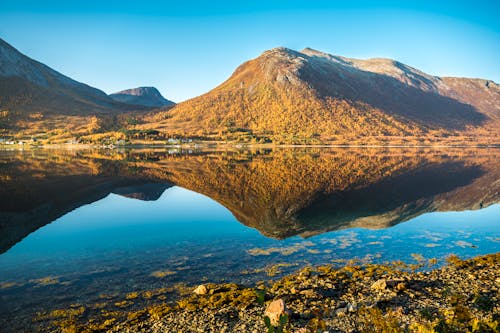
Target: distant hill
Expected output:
[310,94]
[145,96]
[28,87]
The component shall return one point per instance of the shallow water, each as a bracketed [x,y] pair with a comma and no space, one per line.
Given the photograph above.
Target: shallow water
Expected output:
[77,225]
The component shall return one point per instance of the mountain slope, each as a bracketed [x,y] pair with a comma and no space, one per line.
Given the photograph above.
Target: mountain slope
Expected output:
[145,96]
[28,86]
[310,94]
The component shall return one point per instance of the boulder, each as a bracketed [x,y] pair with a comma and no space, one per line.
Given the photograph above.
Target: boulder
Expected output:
[274,311]
[201,290]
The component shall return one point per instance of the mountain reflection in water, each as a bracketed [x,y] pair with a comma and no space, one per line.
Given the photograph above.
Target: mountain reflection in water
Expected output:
[281,193]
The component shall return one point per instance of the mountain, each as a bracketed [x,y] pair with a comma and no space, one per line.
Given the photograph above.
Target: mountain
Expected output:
[282,96]
[28,87]
[289,95]
[145,96]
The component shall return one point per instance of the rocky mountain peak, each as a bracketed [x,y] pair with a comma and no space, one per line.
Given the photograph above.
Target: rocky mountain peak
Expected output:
[145,96]
[141,91]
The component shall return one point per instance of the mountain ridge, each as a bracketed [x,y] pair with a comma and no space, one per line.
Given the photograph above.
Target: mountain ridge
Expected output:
[282,96]
[28,86]
[311,94]
[40,103]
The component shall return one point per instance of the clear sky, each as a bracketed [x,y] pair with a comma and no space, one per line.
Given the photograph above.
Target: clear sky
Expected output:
[185,48]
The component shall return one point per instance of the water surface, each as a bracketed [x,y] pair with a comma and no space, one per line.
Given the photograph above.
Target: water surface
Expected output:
[79,225]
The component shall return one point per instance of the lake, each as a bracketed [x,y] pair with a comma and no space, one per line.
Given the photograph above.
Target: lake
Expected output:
[86,227]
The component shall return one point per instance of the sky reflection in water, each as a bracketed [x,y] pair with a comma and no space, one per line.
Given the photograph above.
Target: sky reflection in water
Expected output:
[186,229]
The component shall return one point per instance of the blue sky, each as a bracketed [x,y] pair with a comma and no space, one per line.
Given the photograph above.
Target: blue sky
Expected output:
[185,48]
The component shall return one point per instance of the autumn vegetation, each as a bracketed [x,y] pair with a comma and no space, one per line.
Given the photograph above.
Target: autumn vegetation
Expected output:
[285,96]
[281,97]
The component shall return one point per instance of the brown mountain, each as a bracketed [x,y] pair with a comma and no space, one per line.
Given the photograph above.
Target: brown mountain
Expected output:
[292,96]
[38,101]
[28,86]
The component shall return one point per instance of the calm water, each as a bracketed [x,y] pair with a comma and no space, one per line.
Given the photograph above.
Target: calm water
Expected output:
[77,225]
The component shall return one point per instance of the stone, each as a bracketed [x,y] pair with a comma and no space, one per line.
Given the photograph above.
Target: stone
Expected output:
[394,283]
[400,286]
[274,311]
[308,293]
[341,312]
[379,285]
[201,290]
[352,307]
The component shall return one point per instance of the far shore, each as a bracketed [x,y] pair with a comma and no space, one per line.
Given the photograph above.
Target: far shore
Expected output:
[232,145]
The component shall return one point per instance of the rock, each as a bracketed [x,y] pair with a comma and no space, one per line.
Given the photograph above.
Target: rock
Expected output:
[379,285]
[352,307]
[394,283]
[306,315]
[274,311]
[305,274]
[201,290]
[308,293]
[341,312]
[400,286]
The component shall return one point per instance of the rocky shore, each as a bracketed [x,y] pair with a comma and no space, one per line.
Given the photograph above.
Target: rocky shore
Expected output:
[462,296]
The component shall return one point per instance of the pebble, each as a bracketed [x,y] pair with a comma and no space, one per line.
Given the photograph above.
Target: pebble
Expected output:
[341,312]
[379,285]
[352,307]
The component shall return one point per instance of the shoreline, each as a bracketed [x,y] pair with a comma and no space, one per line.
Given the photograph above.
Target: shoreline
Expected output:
[202,146]
[462,296]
